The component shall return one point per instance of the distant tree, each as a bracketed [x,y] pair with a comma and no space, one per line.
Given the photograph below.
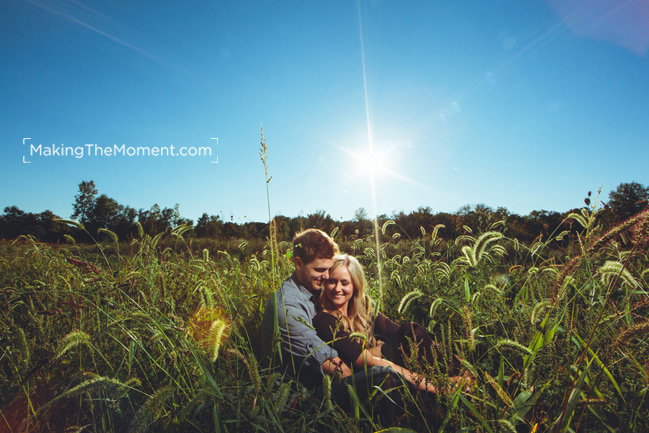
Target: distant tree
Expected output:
[256,230]
[15,222]
[154,221]
[320,220]
[479,218]
[541,222]
[297,223]
[415,221]
[84,201]
[362,221]
[184,222]
[104,213]
[48,230]
[231,230]
[168,219]
[201,226]
[164,220]
[12,215]
[283,225]
[208,226]
[518,228]
[447,220]
[628,199]
[502,213]
[124,222]
[150,223]
[347,230]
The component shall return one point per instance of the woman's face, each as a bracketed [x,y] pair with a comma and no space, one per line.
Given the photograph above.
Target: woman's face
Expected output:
[339,288]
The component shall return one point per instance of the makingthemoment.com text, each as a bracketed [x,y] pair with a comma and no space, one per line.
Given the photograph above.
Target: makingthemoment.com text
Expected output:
[96,150]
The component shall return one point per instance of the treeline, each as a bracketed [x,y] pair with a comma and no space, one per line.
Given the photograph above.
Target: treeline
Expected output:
[102,212]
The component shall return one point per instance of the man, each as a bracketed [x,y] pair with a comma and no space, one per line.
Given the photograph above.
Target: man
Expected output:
[302,354]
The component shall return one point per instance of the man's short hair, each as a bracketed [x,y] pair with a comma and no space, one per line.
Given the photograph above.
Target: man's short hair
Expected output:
[313,244]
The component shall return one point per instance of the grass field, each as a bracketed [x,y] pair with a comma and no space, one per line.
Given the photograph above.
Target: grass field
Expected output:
[158,335]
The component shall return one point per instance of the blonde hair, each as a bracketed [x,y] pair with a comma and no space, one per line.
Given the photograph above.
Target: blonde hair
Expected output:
[359,310]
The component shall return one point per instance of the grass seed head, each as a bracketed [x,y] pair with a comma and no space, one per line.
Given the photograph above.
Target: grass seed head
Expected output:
[210,327]
[633,333]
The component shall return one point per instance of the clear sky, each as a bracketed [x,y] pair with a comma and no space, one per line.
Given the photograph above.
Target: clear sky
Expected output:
[523,104]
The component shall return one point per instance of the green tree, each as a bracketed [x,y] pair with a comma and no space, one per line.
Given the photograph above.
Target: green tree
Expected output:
[15,222]
[208,226]
[628,199]
[151,220]
[104,213]
[362,221]
[124,222]
[84,201]
[320,220]
[283,225]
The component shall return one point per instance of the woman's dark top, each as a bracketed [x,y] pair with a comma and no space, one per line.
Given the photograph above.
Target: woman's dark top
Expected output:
[400,341]
[330,330]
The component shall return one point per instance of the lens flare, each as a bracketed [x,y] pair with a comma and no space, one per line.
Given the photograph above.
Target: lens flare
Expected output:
[210,327]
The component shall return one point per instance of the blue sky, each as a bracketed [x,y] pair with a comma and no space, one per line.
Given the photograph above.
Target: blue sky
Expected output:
[526,105]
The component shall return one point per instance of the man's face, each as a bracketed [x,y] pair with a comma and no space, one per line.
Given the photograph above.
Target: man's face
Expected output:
[312,275]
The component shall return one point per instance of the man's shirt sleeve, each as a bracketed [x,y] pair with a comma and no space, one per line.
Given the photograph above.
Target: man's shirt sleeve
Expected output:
[298,335]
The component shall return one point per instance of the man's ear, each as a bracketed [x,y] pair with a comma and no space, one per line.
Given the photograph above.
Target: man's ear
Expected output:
[297,261]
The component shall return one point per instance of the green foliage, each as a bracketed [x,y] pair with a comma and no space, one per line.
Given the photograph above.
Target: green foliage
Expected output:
[159,334]
[84,201]
[628,199]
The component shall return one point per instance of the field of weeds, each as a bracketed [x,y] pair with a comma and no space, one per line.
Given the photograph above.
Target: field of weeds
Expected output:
[154,335]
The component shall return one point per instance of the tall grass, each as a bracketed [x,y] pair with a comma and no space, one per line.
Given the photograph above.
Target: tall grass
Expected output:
[151,336]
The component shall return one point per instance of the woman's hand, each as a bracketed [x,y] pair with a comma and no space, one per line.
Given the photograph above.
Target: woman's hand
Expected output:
[466,381]
[336,365]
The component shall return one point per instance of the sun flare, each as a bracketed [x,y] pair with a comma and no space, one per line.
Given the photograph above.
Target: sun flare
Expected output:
[375,164]
[372,162]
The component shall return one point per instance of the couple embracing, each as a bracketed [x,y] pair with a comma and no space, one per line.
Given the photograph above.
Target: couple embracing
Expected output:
[321,323]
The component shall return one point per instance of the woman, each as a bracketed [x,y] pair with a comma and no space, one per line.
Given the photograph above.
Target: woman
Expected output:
[346,323]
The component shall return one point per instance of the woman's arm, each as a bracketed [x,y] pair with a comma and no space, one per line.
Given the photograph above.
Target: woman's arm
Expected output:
[376,349]
[355,353]
[367,358]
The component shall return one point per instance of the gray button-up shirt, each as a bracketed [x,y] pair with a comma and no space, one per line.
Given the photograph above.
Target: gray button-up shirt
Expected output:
[300,345]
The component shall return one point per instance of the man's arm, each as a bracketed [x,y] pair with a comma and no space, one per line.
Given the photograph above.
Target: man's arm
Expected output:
[306,339]
[300,338]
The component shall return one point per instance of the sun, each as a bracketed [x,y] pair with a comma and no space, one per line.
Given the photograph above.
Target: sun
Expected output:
[376,163]
[372,162]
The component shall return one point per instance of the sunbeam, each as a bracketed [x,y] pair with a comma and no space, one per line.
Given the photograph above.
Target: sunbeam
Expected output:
[370,152]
